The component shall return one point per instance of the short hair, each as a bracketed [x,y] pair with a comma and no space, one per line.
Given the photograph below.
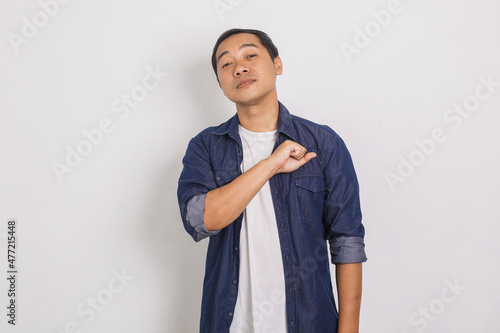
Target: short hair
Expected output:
[264,39]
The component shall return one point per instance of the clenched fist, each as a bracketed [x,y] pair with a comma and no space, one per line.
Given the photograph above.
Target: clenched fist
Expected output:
[289,156]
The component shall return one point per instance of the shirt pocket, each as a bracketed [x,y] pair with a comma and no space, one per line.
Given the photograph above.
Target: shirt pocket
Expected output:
[224,176]
[310,195]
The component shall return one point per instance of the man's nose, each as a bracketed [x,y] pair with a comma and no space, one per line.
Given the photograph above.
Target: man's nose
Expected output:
[240,69]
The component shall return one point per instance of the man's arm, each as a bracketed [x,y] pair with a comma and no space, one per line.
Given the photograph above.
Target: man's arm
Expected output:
[348,278]
[223,205]
[345,232]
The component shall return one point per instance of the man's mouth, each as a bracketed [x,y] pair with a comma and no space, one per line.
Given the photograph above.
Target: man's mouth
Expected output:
[245,83]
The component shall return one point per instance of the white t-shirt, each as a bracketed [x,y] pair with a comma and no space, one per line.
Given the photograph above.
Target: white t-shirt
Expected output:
[260,305]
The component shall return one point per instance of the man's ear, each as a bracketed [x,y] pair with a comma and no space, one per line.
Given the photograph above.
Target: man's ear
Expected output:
[278,65]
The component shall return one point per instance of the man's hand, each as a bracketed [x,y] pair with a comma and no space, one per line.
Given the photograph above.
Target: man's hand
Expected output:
[289,156]
[224,204]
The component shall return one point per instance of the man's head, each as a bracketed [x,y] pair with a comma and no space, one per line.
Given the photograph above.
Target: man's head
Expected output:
[246,63]
[264,39]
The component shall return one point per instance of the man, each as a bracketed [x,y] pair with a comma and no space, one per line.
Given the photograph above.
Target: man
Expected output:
[270,189]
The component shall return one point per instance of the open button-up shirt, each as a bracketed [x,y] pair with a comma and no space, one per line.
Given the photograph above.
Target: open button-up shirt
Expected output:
[318,202]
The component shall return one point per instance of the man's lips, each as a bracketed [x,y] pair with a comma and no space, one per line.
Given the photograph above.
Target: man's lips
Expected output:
[245,83]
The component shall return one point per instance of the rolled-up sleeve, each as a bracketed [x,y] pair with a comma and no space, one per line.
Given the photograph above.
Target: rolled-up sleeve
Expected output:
[345,250]
[342,211]
[194,216]
[195,181]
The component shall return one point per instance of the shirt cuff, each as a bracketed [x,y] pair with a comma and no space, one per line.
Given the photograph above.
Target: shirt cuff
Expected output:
[194,216]
[348,249]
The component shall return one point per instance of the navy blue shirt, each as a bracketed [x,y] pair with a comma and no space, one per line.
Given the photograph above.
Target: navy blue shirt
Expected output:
[316,203]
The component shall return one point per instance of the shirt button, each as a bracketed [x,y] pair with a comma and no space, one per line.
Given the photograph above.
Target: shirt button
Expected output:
[236,248]
[230,314]
[217,178]
[234,281]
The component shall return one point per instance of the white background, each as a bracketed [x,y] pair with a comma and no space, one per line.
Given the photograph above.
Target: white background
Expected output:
[117,210]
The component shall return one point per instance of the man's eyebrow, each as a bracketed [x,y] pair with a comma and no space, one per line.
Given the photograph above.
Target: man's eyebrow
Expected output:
[241,47]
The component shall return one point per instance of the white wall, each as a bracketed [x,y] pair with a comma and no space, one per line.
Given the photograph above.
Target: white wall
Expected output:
[116,211]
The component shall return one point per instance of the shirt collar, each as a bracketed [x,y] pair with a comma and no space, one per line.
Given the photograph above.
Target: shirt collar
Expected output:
[285,125]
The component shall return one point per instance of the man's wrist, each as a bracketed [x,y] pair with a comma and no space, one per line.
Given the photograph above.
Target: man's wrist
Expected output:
[348,325]
[268,167]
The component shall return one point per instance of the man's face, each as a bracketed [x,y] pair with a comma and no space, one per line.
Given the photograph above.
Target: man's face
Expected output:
[246,71]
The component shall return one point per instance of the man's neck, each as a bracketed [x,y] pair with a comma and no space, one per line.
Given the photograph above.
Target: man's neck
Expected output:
[260,117]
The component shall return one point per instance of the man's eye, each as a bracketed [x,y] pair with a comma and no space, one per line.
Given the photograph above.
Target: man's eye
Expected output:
[252,56]
[225,65]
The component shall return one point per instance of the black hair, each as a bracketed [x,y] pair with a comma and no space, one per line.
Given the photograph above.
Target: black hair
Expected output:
[264,39]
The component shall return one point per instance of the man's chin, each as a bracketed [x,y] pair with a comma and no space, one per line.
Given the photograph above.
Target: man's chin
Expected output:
[247,100]
[249,97]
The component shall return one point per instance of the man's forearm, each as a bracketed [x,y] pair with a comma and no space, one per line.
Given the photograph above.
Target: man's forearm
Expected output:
[224,204]
[349,278]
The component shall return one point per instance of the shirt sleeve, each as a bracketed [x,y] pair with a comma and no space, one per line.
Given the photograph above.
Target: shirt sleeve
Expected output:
[195,181]
[342,212]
